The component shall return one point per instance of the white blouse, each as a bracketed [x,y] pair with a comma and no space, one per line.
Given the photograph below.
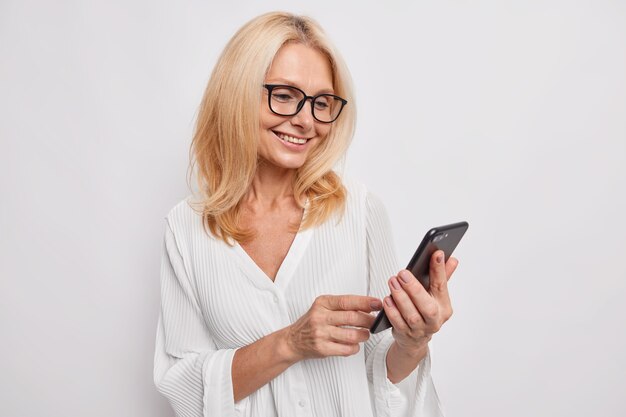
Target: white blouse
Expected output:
[215,299]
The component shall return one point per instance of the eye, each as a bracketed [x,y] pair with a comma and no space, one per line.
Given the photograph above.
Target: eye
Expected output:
[283,97]
[285,94]
[322,103]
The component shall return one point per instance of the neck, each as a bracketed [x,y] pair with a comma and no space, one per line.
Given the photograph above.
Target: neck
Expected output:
[271,185]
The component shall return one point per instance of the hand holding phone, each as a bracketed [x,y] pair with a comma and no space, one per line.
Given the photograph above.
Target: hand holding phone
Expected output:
[445,238]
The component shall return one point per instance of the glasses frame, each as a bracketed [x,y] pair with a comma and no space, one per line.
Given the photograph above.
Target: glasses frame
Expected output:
[271,87]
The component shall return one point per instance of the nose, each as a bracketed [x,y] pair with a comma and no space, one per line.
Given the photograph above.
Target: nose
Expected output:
[304,118]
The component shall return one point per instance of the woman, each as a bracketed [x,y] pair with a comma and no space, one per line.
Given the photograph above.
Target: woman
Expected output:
[269,278]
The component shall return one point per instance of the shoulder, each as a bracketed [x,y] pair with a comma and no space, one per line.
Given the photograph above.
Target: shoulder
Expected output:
[182,210]
[356,193]
[361,198]
[185,230]
[185,217]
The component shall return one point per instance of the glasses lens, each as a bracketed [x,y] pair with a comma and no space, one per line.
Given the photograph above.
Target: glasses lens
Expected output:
[285,100]
[327,107]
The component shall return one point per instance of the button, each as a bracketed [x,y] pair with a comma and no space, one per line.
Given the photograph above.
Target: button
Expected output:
[301,403]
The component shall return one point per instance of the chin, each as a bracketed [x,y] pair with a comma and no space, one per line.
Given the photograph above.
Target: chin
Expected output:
[285,163]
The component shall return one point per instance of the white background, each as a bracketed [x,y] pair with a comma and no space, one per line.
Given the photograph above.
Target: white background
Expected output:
[510,115]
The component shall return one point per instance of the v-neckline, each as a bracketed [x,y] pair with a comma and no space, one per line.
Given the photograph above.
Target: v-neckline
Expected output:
[287,267]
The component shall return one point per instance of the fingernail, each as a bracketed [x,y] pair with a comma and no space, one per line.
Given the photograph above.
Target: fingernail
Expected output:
[376,304]
[394,283]
[439,258]
[404,275]
[389,302]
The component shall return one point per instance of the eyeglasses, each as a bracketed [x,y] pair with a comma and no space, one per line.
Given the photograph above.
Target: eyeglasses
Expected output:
[286,100]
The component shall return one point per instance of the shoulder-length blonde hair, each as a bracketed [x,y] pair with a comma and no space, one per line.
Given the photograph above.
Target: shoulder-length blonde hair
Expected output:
[224,146]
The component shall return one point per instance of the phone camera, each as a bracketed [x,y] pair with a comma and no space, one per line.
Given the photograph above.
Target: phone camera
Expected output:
[439,237]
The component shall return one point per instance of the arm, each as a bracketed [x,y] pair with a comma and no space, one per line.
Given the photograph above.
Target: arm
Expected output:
[260,362]
[317,334]
[400,363]
[400,381]
[189,370]
[416,314]
[200,380]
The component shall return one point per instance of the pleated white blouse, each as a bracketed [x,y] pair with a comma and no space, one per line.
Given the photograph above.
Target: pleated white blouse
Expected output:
[215,299]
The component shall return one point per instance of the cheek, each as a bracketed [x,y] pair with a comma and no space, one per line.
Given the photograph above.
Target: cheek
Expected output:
[323,130]
[266,118]
[269,121]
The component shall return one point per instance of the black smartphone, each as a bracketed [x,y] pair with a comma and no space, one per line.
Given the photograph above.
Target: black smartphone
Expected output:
[444,238]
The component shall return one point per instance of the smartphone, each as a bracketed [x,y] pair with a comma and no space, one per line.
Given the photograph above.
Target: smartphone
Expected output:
[444,238]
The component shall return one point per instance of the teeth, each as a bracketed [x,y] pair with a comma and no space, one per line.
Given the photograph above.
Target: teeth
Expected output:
[291,139]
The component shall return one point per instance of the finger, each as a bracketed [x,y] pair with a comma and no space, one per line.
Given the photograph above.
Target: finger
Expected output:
[394,315]
[342,349]
[428,307]
[405,304]
[350,318]
[451,265]
[348,336]
[438,278]
[349,302]
[422,300]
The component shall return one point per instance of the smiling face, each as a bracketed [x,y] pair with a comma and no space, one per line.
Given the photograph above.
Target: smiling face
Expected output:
[286,141]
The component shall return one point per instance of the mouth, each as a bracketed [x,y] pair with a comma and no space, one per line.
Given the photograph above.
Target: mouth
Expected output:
[291,139]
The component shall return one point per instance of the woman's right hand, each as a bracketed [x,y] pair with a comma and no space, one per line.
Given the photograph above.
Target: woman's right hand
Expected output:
[320,333]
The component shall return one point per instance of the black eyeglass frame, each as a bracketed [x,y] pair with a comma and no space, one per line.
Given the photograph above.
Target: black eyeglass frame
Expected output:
[271,87]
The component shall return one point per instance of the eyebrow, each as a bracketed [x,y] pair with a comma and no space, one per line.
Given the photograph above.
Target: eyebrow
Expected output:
[291,83]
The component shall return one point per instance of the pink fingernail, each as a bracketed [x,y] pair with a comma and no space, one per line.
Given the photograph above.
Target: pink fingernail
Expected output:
[404,275]
[439,258]
[394,283]
[389,302]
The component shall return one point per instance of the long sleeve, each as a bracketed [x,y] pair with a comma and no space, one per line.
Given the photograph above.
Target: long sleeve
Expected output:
[189,370]
[415,395]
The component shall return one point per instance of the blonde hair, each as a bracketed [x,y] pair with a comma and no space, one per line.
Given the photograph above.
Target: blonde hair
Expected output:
[224,146]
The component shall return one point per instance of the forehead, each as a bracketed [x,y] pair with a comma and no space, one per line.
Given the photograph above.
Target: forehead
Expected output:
[302,66]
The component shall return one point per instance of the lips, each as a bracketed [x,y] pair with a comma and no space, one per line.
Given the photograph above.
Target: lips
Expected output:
[291,139]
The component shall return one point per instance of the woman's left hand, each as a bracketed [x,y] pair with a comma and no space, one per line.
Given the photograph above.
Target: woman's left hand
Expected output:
[417,314]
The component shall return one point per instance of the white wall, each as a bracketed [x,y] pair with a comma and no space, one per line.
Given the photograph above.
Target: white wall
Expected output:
[510,115]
